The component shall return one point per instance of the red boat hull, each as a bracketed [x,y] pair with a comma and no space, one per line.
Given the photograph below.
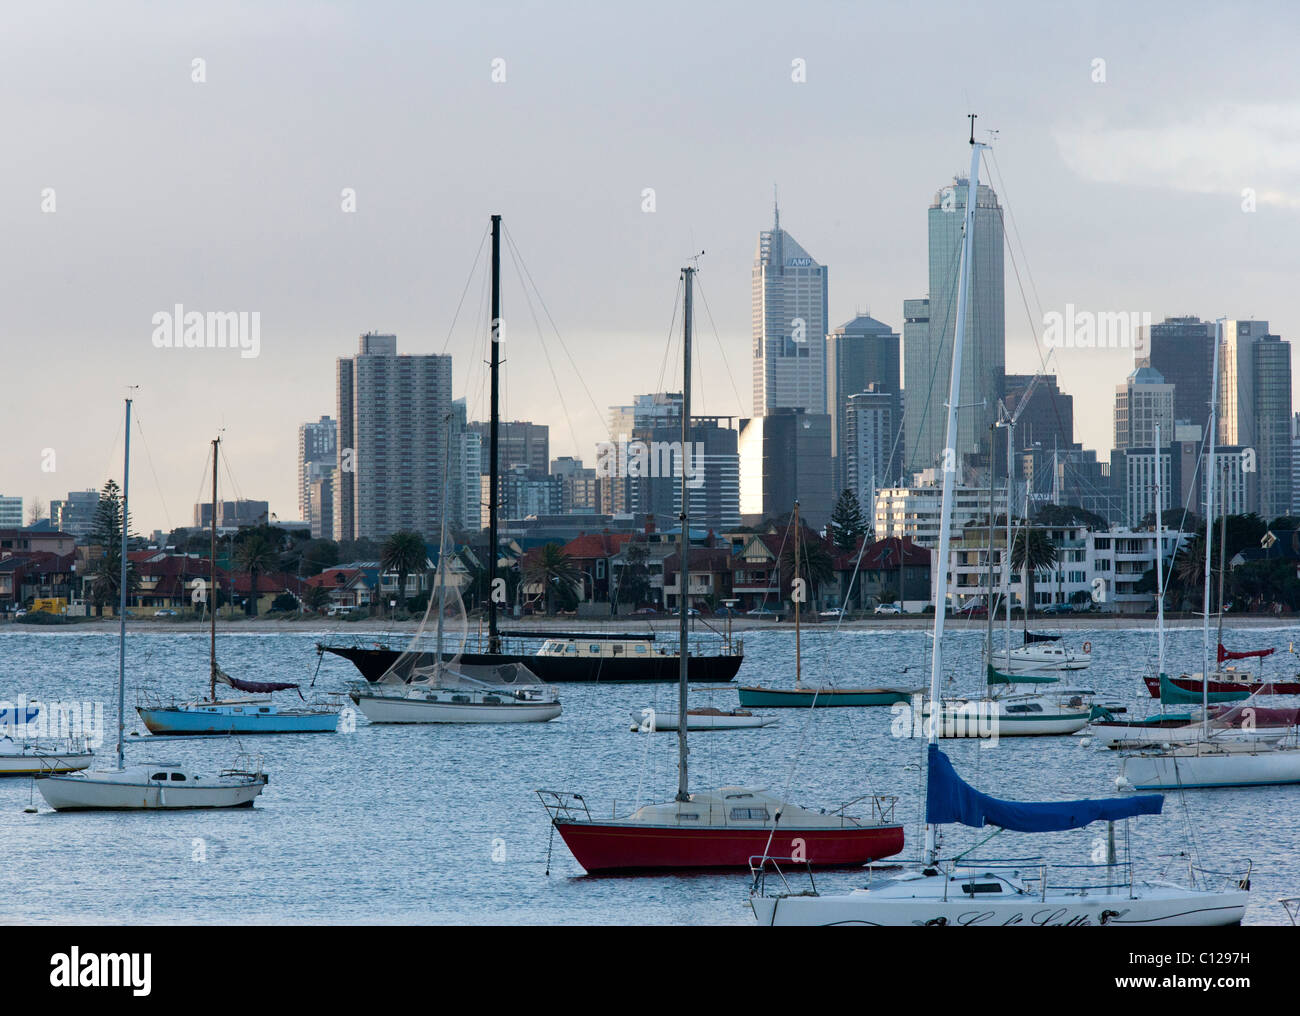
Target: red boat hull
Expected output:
[1194,685]
[605,847]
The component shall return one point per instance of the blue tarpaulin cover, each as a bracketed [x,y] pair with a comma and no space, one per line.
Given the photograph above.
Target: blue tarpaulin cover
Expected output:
[948,798]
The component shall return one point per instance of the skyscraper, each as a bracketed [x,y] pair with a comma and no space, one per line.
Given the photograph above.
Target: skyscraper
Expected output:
[870,426]
[1255,411]
[519,443]
[1182,350]
[790,320]
[393,421]
[927,345]
[785,456]
[317,455]
[862,355]
[1143,402]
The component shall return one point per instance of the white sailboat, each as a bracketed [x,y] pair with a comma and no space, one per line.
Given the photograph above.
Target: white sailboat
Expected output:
[1213,760]
[25,758]
[974,893]
[151,786]
[449,691]
[649,720]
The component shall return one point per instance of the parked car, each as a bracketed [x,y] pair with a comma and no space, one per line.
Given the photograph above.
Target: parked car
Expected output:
[646,610]
[728,612]
[691,612]
[1057,608]
[166,613]
[832,612]
[763,612]
[20,612]
[887,608]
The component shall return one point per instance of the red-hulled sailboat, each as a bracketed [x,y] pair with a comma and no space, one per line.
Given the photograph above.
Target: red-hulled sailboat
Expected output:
[721,828]
[1229,679]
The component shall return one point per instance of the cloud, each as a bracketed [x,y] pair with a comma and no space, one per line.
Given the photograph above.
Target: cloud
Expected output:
[1228,149]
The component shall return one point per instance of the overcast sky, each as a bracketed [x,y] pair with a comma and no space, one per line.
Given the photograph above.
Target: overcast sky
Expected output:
[226,194]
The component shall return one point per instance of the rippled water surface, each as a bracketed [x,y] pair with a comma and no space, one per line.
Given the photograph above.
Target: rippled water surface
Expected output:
[441,823]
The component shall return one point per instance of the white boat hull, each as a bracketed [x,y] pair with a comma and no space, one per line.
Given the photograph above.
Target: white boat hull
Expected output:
[1239,767]
[979,719]
[723,721]
[1115,735]
[395,709]
[1150,906]
[80,793]
[30,763]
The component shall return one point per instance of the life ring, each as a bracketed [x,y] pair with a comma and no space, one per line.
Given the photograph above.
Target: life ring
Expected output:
[1087,647]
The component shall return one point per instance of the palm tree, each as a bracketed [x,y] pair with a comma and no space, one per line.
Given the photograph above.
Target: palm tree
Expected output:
[404,552]
[551,566]
[1041,553]
[255,553]
[316,598]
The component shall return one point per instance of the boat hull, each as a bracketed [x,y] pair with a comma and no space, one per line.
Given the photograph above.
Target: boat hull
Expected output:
[627,847]
[820,698]
[1116,735]
[74,793]
[45,762]
[1193,684]
[185,721]
[1162,907]
[394,709]
[668,722]
[374,663]
[960,722]
[1264,768]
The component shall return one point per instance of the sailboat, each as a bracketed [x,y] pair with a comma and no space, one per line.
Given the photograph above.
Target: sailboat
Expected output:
[1210,761]
[720,828]
[21,755]
[450,691]
[1016,892]
[258,715]
[151,785]
[605,658]
[805,696]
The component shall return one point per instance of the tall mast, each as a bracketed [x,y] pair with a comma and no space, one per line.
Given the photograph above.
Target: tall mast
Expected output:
[950,467]
[1211,469]
[494,640]
[1006,561]
[212,581]
[442,540]
[798,648]
[1160,564]
[988,642]
[1223,553]
[121,597]
[683,542]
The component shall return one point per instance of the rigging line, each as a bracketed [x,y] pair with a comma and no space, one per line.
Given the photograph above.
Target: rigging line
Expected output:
[468,279]
[670,343]
[564,408]
[1015,228]
[740,406]
[149,456]
[546,310]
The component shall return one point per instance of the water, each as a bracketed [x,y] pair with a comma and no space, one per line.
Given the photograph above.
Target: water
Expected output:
[440,824]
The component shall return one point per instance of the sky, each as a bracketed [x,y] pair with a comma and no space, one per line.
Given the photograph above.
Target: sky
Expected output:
[131,187]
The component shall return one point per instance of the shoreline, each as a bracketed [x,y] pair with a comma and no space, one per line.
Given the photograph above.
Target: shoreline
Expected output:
[664,625]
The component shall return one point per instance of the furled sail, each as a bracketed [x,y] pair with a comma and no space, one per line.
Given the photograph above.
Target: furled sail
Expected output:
[254,687]
[1228,654]
[1170,692]
[997,677]
[1031,637]
[948,798]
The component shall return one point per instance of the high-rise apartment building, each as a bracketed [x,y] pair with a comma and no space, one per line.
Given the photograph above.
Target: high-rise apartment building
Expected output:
[317,452]
[1143,402]
[784,457]
[75,514]
[394,418]
[863,355]
[1181,349]
[870,426]
[11,512]
[1255,411]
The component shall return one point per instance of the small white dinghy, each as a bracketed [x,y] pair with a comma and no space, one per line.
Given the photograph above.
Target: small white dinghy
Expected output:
[649,720]
[510,693]
[152,787]
[27,758]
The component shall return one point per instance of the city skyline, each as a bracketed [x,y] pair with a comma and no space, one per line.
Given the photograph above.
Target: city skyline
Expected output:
[160,201]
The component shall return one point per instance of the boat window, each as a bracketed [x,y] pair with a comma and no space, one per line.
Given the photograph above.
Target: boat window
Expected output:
[264,709]
[640,649]
[750,814]
[595,650]
[618,650]
[1030,707]
[981,887]
[178,777]
[571,649]
[158,776]
[692,815]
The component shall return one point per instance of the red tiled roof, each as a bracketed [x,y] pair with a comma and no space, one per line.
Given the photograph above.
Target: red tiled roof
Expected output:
[590,546]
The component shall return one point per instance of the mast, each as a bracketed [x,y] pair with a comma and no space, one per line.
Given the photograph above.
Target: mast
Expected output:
[950,467]
[988,641]
[798,649]
[442,541]
[1223,553]
[683,541]
[1209,530]
[212,581]
[121,598]
[1160,565]
[494,640]
[1006,564]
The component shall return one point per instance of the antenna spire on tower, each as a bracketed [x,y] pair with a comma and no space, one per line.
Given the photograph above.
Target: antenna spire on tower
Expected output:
[776,210]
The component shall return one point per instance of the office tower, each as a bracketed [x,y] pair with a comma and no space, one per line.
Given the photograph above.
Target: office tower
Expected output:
[317,449]
[521,493]
[1255,411]
[862,355]
[1044,415]
[75,514]
[1143,402]
[870,425]
[11,512]
[784,457]
[393,417]
[789,325]
[320,504]
[1295,465]
[647,413]
[232,514]
[927,346]
[519,443]
[1181,349]
[579,486]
